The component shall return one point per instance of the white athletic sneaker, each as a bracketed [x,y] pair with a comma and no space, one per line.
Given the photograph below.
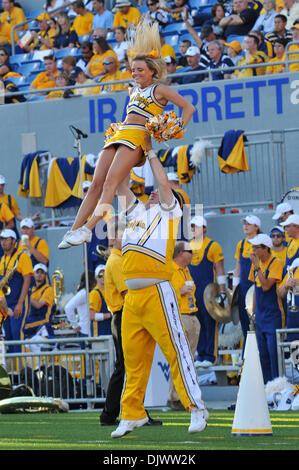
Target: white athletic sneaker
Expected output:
[125,426]
[78,236]
[198,423]
[63,245]
[204,363]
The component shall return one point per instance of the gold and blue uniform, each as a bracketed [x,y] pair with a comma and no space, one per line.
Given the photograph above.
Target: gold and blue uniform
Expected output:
[151,313]
[13,327]
[143,103]
[98,304]
[269,315]
[292,316]
[39,317]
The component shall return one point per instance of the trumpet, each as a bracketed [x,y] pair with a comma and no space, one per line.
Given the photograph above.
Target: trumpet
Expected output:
[291,295]
[58,284]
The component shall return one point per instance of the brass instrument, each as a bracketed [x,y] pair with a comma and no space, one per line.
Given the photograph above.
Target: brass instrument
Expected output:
[291,294]
[234,308]
[58,284]
[102,251]
[218,313]
[6,278]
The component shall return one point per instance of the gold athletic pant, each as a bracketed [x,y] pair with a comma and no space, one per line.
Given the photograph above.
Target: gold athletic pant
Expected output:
[151,316]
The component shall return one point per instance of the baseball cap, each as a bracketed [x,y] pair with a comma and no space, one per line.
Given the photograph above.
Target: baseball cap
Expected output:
[235,45]
[192,51]
[2,179]
[8,233]
[43,16]
[169,60]
[172,176]
[292,219]
[75,72]
[99,268]
[40,266]
[27,222]
[281,209]
[199,221]
[277,228]
[261,239]
[295,26]
[252,220]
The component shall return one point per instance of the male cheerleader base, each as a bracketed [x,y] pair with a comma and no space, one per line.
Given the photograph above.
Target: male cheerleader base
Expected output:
[150,313]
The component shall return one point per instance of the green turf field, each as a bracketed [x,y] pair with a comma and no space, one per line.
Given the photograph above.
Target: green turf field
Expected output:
[81,431]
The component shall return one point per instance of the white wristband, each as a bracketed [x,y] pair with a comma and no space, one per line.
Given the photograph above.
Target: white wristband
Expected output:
[221,279]
[99,316]
[236,281]
[151,154]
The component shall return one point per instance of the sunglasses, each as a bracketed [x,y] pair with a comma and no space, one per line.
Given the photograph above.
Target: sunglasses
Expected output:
[107,63]
[188,251]
[276,235]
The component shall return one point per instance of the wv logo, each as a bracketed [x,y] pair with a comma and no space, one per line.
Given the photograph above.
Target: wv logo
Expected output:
[165,369]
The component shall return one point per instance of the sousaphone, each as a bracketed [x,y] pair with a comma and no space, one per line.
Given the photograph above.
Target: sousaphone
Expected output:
[218,313]
[249,305]
[234,308]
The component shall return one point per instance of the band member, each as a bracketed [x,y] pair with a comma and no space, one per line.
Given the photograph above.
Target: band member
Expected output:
[282,212]
[38,321]
[38,247]
[287,290]
[279,249]
[16,266]
[251,227]
[207,266]
[100,316]
[291,225]
[185,290]
[266,274]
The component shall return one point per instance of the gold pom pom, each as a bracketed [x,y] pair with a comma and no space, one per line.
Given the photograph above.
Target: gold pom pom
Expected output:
[114,127]
[165,126]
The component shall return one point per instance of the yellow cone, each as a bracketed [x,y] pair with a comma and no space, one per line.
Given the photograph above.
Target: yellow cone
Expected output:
[252,416]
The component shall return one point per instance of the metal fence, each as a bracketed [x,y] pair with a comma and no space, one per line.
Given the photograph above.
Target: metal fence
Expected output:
[74,369]
[262,185]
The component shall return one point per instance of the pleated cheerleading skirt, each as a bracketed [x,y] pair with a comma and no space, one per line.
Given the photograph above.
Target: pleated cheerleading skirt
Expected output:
[132,136]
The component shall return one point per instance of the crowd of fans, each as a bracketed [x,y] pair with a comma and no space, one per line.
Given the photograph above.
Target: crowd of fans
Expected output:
[87,44]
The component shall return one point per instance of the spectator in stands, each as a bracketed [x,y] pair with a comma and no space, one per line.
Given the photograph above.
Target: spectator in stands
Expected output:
[102,18]
[280,31]
[46,79]
[184,45]
[61,80]
[126,71]
[99,33]
[5,34]
[126,15]
[44,38]
[241,21]
[87,53]
[251,56]
[171,69]
[68,63]
[51,5]
[13,15]
[234,50]
[37,247]
[179,9]
[294,47]
[102,50]
[81,79]
[10,87]
[264,46]
[291,11]
[5,66]
[122,45]
[167,49]
[219,61]
[265,22]
[66,38]
[83,22]
[193,58]
[156,13]
[206,35]
[112,73]
[218,12]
